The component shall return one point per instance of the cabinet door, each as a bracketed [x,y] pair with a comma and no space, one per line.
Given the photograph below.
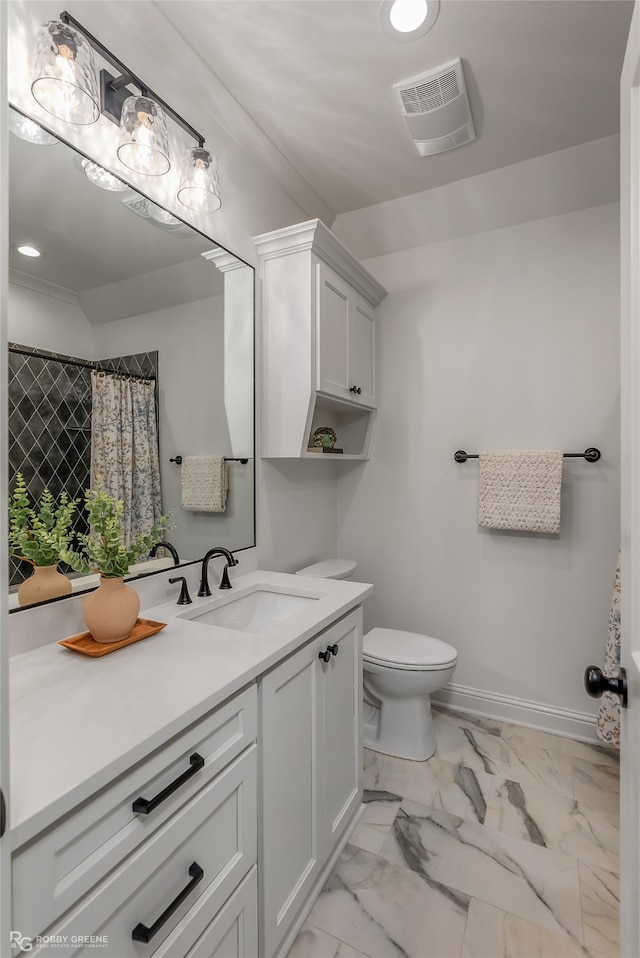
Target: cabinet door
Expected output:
[332,332]
[361,358]
[342,752]
[291,731]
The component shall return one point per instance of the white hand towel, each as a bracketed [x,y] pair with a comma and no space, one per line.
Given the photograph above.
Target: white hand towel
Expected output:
[520,489]
[204,483]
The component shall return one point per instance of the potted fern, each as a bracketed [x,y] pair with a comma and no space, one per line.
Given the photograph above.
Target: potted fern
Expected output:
[39,534]
[111,611]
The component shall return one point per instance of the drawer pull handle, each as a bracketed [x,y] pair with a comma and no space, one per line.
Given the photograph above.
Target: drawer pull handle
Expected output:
[144,805]
[143,932]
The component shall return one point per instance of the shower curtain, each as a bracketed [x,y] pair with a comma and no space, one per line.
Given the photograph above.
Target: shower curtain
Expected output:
[124,448]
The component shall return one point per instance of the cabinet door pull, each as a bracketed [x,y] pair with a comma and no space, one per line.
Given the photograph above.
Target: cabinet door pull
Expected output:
[144,805]
[143,932]
[325,656]
[355,389]
[333,649]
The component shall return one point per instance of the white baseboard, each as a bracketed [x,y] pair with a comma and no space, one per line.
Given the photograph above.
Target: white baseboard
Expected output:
[506,708]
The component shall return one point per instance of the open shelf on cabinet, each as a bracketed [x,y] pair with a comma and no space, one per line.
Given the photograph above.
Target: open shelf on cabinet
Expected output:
[353,427]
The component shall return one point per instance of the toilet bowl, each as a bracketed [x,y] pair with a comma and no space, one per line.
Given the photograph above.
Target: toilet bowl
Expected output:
[401,670]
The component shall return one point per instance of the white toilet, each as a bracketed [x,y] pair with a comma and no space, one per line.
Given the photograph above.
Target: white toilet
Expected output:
[401,670]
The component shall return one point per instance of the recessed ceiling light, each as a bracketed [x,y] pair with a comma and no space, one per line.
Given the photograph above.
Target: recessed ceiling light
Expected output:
[28,251]
[408,19]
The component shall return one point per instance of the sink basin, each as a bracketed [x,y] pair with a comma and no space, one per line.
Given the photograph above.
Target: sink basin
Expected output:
[260,610]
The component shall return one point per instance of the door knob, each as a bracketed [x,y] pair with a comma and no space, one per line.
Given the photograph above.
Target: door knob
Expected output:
[596,682]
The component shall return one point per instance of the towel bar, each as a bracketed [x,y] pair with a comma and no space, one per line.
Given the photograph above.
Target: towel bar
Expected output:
[178,459]
[591,455]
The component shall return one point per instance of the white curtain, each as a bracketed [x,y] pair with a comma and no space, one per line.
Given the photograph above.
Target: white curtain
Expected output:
[124,448]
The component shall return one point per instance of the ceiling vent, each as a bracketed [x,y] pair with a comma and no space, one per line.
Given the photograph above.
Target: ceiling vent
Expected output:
[436,109]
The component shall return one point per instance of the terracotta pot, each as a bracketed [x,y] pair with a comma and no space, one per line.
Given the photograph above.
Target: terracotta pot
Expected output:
[112,610]
[45,582]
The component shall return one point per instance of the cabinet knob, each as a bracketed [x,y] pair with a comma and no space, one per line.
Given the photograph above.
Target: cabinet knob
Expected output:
[325,656]
[355,389]
[333,649]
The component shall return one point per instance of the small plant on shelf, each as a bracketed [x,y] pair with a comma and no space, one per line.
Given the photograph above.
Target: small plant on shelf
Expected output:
[102,549]
[39,533]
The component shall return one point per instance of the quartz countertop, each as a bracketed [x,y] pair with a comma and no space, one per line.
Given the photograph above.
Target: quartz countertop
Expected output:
[78,722]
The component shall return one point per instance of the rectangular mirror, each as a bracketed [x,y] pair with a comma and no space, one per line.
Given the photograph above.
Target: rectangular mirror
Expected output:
[123,287]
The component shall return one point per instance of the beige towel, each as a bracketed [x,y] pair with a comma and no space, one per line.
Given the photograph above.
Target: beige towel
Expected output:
[204,483]
[520,489]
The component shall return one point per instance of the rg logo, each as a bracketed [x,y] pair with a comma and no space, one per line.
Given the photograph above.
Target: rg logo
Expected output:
[18,940]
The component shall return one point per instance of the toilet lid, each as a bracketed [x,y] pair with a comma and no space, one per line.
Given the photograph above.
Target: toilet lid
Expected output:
[410,650]
[330,569]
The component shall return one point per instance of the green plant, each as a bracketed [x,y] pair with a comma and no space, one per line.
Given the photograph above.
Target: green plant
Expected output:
[102,548]
[39,534]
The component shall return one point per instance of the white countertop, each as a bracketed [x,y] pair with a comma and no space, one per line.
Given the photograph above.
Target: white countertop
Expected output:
[77,722]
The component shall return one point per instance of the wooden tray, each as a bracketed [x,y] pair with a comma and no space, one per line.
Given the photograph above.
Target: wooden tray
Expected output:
[86,643]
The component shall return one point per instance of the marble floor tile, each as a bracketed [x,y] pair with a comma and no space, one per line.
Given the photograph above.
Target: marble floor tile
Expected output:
[588,834]
[493,933]
[372,829]
[442,716]
[600,891]
[493,755]
[347,951]
[314,943]
[517,736]
[436,783]
[386,911]
[597,785]
[538,884]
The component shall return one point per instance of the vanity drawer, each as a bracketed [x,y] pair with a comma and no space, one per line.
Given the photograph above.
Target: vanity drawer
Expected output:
[57,868]
[233,933]
[215,833]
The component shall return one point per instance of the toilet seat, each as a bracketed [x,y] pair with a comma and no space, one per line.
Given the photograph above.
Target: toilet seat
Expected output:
[395,649]
[330,569]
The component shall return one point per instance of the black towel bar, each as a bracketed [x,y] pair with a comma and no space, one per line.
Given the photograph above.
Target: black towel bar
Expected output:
[591,455]
[178,459]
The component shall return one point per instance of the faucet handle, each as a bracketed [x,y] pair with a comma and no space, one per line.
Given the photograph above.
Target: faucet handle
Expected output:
[185,598]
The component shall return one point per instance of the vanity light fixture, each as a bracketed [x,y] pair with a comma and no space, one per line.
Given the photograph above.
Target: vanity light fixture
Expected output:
[65,84]
[408,19]
[29,130]
[102,178]
[199,185]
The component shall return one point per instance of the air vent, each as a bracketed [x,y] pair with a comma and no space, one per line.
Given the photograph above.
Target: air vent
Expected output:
[436,109]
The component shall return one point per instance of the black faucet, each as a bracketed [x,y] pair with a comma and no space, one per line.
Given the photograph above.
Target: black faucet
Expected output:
[224,581]
[185,598]
[169,548]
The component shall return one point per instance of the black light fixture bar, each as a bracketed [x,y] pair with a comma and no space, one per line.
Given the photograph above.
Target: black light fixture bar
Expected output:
[113,90]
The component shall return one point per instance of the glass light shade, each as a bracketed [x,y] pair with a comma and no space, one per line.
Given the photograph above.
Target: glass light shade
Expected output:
[64,80]
[29,130]
[144,141]
[199,183]
[102,178]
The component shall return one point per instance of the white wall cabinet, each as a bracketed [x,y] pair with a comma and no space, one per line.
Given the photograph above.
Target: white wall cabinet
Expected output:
[318,343]
[311,712]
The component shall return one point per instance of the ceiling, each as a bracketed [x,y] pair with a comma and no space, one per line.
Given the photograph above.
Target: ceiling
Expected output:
[316,76]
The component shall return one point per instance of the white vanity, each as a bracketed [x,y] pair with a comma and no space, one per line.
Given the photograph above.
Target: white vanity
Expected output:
[235,731]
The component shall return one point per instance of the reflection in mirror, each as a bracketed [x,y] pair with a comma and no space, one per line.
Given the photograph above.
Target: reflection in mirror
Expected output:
[128,318]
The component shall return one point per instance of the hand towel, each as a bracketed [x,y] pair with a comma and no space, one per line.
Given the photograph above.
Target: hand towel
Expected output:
[608,725]
[204,483]
[520,489]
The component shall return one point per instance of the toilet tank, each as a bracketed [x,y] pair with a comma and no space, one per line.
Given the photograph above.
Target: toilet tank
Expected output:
[330,569]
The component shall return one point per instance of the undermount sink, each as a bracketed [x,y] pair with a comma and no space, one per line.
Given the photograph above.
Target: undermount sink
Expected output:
[260,610]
